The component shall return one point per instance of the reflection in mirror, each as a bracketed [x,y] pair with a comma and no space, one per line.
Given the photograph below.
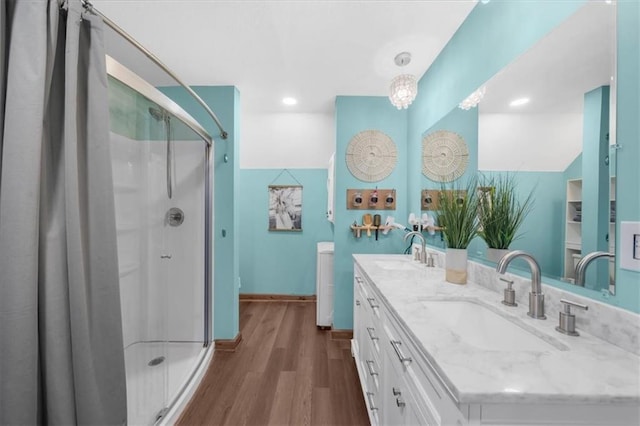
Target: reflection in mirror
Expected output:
[544,120]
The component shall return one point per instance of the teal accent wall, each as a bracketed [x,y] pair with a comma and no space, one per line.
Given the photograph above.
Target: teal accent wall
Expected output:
[225,102]
[595,184]
[281,262]
[353,115]
[628,137]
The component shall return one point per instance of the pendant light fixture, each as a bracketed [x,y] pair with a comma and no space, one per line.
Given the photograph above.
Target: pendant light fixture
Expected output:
[473,99]
[404,88]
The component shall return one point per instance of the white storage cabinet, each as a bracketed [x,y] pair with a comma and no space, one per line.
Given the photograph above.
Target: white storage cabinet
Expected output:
[324,284]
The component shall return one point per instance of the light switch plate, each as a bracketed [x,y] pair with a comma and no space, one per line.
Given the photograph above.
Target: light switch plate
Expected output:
[629,250]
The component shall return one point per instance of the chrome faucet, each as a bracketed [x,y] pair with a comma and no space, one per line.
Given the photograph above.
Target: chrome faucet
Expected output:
[581,267]
[423,253]
[536,298]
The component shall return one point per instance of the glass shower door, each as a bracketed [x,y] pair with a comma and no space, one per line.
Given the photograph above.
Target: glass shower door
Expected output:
[184,236]
[139,204]
[159,171]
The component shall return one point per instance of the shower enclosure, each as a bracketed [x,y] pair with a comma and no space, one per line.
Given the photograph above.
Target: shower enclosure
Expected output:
[161,159]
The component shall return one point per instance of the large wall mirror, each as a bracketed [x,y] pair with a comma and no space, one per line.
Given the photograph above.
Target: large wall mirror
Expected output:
[545,121]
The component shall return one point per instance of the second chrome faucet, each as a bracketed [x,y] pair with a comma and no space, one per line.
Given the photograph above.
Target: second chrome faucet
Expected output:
[536,297]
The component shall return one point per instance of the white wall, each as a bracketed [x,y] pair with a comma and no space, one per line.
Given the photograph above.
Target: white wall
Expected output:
[528,142]
[286,140]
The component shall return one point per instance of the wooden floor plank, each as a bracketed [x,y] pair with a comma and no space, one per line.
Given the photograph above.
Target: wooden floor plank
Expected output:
[321,411]
[321,360]
[295,337]
[265,336]
[284,372]
[302,394]
[281,409]
[334,349]
[287,329]
[246,397]
[269,381]
[310,334]
[340,400]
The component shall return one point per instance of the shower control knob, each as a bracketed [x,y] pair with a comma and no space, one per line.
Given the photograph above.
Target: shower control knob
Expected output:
[175,216]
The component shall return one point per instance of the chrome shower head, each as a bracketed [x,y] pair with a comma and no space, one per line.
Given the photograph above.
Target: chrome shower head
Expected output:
[157,114]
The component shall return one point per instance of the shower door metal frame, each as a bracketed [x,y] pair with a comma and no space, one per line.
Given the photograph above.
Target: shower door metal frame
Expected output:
[135,82]
[131,79]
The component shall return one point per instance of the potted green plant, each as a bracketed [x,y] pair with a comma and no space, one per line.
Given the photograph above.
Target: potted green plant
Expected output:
[501,211]
[458,208]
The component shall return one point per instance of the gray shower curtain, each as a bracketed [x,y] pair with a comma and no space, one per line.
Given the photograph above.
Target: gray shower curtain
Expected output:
[61,354]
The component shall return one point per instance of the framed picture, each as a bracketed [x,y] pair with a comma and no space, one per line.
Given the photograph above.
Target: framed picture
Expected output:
[285,208]
[485,197]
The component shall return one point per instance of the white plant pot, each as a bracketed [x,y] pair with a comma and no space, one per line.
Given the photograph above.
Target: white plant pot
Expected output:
[494,254]
[456,266]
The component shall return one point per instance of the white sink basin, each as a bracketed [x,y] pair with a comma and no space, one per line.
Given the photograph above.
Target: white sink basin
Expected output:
[395,265]
[479,326]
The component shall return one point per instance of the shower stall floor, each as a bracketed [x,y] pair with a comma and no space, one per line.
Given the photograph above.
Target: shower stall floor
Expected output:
[152,382]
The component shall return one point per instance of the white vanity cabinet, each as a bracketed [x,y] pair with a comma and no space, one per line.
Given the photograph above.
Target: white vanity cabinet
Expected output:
[415,369]
[396,383]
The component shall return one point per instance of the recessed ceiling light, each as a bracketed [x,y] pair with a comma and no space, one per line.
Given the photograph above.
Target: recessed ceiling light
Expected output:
[289,101]
[520,101]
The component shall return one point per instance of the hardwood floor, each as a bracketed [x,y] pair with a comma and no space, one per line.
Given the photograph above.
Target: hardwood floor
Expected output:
[284,372]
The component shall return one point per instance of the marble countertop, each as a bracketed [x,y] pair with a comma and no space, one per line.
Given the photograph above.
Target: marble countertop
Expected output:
[579,370]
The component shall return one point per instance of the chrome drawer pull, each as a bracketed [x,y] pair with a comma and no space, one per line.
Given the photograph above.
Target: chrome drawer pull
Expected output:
[370,368]
[373,306]
[399,401]
[372,336]
[370,398]
[396,347]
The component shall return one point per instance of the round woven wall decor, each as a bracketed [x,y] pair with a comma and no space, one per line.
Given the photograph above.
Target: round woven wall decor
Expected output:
[371,156]
[444,156]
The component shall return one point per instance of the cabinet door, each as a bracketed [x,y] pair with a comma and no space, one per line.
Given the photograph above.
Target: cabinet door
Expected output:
[399,406]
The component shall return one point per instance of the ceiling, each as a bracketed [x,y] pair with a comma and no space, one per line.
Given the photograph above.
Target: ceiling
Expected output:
[573,59]
[313,50]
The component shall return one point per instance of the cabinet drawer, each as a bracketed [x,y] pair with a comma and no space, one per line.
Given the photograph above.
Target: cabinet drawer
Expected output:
[401,404]
[421,379]
[373,407]
[372,370]
[368,373]
[366,330]
[369,298]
